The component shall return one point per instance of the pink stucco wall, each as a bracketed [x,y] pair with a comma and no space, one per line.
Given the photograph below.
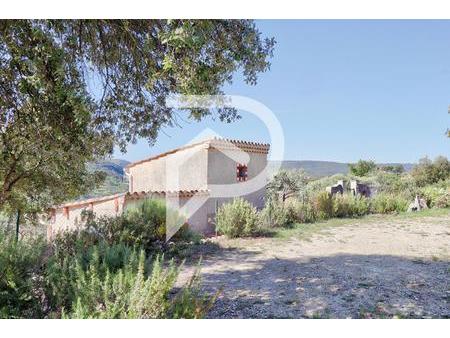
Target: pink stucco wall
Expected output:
[72,220]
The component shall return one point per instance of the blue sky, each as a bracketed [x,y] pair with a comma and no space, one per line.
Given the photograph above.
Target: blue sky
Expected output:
[344,90]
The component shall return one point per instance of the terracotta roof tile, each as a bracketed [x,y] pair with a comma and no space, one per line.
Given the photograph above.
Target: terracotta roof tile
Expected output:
[180,193]
[247,145]
[89,200]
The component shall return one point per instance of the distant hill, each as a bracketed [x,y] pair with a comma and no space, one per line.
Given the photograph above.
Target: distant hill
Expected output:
[113,166]
[315,168]
[115,181]
[325,168]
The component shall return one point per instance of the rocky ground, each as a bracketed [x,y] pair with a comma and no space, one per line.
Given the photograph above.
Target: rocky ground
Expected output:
[375,267]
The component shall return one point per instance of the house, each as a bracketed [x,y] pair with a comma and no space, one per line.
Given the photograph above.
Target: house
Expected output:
[196,179]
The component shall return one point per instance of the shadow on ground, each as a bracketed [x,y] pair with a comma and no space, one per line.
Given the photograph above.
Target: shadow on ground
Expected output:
[341,286]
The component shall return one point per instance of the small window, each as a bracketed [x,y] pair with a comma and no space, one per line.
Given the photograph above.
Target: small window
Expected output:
[241,172]
[66,212]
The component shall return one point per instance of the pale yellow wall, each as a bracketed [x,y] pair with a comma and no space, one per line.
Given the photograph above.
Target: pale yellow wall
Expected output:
[161,174]
[222,168]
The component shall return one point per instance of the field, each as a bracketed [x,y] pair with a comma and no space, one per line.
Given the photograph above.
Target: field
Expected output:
[379,266]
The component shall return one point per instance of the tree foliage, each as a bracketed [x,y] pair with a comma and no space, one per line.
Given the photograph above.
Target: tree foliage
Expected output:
[362,167]
[72,89]
[286,182]
[393,168]
[429,172]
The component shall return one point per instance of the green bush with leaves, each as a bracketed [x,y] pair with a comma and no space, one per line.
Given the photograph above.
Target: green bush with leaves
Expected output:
[278,214]
[60,274]
[348,205]
[384,203]
[149,220]
[143,225]
[436,196]
[300,211]
[117,281]
[442,201]
[342,206]
[323,204]
[101,271]
[362,167]
[393,183]
[430,172]
[19,277]
[286,183]
[238,219]
[274,215]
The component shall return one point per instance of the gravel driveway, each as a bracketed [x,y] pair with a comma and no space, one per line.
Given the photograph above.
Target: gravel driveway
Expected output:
[376,267]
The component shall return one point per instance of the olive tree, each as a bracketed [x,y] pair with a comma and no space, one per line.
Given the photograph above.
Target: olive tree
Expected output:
[362,168]
[287,182]
[70,90]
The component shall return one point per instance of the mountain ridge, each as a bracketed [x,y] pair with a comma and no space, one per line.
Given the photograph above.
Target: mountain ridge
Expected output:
[316,168]
[116,180]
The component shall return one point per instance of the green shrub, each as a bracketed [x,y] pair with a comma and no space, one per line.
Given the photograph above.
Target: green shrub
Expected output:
[61,269]
[237,219]
[287,182]
[393,169]
[127,293]
[149,222]
[274,215]
[300,212]
[442,201]
[362,167]
[436,196]
[350,206]
[430,172]
[278,214]
[392,183]
[361,206]
[342,206]
[143,225]
[19,268]
[119,282]
[96,273]
[384,203]
[323,205]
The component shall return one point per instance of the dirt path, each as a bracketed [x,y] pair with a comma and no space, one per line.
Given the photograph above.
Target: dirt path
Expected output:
[375,267]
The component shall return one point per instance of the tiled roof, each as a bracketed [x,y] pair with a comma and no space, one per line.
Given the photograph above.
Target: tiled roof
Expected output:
[217,143]
[246,146]
[134,195]
[179,193]
[89,200]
